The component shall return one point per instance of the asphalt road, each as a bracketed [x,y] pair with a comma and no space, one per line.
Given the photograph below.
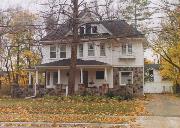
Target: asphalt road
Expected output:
[164,112]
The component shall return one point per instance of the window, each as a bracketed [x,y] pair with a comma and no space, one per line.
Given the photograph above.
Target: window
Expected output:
[127,49]
[99,74]
[102,49]
[48,78]
[124,49]
[62,51]
[91,50]
[88,28]
[52,51]
[126,78]
[94,29]
[80,50]
[82,31]
[55,78]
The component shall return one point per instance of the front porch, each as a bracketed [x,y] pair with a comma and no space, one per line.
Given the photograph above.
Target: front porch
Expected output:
[89,78]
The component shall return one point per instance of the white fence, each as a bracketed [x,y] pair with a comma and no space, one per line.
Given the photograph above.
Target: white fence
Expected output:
[158,87]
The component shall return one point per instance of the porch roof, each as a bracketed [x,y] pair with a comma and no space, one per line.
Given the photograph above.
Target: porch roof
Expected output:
[66,63]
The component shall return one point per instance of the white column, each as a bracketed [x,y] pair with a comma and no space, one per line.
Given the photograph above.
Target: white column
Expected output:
[66,90]
[105,74]
[59,76]
[30,78]
[37,82]
[81,76]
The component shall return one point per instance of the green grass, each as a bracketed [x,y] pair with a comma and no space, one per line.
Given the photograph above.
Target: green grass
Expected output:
[67,109]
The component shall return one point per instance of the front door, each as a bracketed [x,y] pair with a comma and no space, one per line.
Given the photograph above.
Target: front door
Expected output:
[85,78]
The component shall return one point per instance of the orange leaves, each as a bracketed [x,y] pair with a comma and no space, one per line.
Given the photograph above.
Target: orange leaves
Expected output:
[64,110]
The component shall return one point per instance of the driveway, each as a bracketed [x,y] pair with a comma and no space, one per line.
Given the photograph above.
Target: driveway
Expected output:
[164,112]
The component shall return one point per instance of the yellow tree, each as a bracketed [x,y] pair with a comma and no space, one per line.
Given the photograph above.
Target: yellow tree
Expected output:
[168,47]
[20,46]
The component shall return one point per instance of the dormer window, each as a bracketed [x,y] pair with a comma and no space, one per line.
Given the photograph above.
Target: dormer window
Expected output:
[82,30]
[88,28]
[94,29]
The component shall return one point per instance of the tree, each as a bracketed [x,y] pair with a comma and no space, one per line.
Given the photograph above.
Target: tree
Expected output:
[19,51]
[134,11]
[167,46]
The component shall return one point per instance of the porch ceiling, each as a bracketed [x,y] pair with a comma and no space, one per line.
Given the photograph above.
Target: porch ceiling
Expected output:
[65,63]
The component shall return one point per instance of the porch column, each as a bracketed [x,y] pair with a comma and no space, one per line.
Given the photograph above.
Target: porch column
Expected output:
[37,82]
[105,74]
[81,76]
[59,76]
[66,90]
[30,78]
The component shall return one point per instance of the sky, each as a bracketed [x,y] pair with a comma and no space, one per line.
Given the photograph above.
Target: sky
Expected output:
[34,6]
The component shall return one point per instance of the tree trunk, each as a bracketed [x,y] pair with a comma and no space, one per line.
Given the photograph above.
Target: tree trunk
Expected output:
[72,71]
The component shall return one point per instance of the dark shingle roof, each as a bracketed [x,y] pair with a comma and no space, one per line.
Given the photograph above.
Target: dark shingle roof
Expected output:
[66,62]
[118,28]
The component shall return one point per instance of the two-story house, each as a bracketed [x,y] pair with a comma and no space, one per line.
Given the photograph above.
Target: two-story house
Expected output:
[110,51]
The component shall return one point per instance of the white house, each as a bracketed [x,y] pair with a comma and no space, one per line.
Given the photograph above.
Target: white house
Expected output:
[110,52]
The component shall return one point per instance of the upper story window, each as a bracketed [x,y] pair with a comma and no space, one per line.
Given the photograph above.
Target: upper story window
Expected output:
[62,51]
[102,49]
[52,51]
[81,50]
[94,29]
[127,49]
[91,49]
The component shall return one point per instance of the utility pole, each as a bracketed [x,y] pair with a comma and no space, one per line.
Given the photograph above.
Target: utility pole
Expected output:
[72,70]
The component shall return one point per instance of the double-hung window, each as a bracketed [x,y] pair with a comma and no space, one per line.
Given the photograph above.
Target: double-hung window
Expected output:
[102,49]
[52,51]
[62,51]
[81,50]
[127,49]
[91,49]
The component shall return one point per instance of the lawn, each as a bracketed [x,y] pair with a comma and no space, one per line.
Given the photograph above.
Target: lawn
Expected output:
[70,109]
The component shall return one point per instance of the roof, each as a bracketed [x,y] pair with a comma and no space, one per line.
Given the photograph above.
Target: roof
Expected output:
[118,28]
[66,62]
[152,66]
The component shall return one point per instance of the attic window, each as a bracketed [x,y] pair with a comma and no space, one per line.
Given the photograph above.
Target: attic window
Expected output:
[82,31]
[94,29]
[88,28]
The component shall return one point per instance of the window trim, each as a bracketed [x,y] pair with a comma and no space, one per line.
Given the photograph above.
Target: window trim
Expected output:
[62,51]
[120,81]
[91,49]
[53,52]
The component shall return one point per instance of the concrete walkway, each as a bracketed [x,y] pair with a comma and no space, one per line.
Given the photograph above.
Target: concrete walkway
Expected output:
[165,112]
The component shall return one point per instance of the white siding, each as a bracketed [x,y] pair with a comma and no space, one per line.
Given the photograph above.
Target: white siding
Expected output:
[113,52]
[138,52]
